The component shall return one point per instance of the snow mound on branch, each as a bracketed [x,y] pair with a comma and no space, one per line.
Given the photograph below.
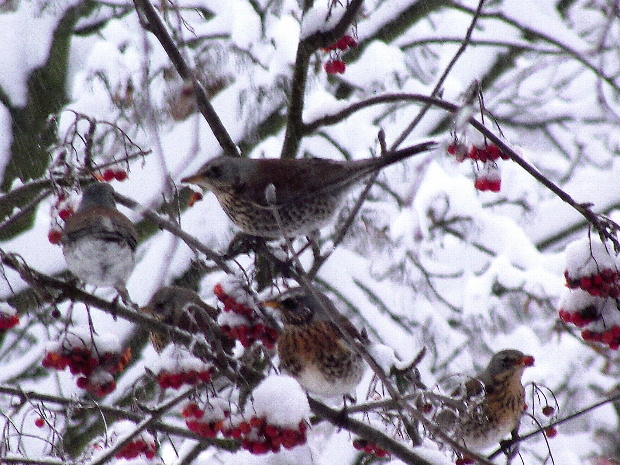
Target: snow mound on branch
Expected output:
[281,400]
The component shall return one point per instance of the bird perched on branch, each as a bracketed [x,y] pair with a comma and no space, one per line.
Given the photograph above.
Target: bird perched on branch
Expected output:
[306,193]
[183,309]
[312,348]
[495,401]
[98,241]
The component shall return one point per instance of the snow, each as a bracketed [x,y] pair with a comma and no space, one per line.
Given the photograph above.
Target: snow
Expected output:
[281,400]
[430,263]
[589,256]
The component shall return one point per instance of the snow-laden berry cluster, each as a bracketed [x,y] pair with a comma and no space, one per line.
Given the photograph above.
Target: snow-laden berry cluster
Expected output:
[143,443]
[275,419]
[593,286]
[95,359]
[489,176]
[178,367]
[239,320]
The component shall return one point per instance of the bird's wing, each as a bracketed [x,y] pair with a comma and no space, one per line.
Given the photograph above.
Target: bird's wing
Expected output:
[93,223]
[295,180]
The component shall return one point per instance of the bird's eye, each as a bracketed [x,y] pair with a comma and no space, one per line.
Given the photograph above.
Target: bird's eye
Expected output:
[289,303]
[214,172]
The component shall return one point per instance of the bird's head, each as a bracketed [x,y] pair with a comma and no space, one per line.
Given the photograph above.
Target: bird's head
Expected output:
[299,307]
[221,173]
[507,363]
[99,194]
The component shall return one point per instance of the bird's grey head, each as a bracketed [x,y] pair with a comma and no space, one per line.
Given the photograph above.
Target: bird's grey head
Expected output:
[300,307]
[222,173]
[100,194]
[507,361]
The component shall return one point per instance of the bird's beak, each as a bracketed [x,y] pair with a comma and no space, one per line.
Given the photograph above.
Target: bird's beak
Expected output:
[272,304]
[527,361]
[193,179]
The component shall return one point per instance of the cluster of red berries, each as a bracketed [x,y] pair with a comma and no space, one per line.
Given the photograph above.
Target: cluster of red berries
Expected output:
[610,337]
[111,174]
[489,177]
[343,44]
[603,284]
[490,152]
[95,370]
[256,434]
[249,328]
[207,426]
[62,209]
[335,65]
[9,318]
[137,447]
[551,432]
[259,437]
[175,380]
[370,447]
[593,280]
[582,317]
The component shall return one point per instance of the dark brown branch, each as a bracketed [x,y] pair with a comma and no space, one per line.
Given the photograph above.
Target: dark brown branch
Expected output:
[307,46]
[152,22]
[340,419]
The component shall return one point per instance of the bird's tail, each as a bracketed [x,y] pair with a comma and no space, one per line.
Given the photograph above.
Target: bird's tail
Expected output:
[398,155]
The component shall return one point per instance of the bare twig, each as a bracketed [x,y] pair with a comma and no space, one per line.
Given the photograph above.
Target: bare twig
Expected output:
[152,22]
[307,46]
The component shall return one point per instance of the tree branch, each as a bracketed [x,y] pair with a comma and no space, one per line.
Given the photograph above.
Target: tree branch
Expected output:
[151,21]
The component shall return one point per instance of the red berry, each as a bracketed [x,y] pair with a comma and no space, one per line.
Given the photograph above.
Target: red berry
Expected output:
[257,422]
[481,183]
[245,427]
[65,213]
[473,153]
[551,432]
[494,152]
[548,410]
[379,452]
[528,361]
[39,422]
[54,236]
[120,175]
[195,197]
[585,283]
[494,185]
[108,175]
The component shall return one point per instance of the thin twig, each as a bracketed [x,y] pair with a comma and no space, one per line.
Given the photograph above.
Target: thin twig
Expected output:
[155,25]
[442,78]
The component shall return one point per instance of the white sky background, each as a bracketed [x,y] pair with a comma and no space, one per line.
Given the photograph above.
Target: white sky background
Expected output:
[379,259]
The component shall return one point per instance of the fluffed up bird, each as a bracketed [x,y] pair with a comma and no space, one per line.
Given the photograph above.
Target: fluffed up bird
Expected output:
[312,348]
[306,193]
[495,401]
[183,309]
[98,241]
